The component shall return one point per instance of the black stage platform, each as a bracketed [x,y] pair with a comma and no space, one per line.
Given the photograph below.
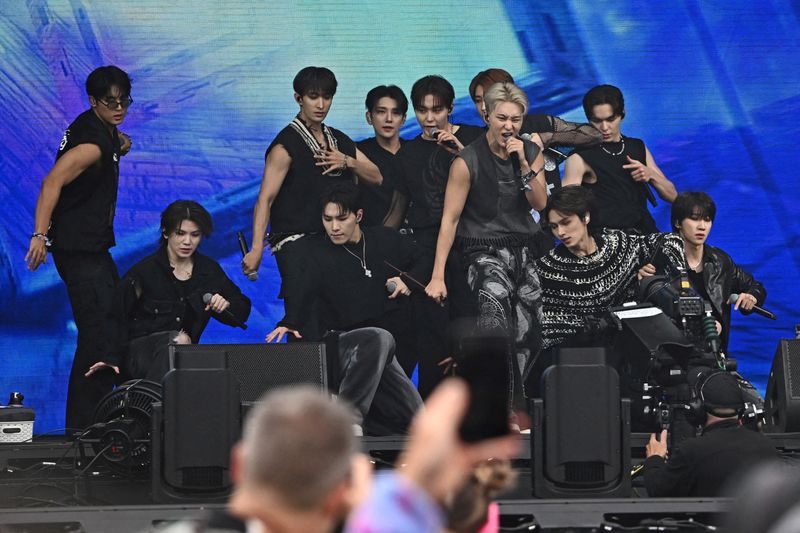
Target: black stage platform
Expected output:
[49,483]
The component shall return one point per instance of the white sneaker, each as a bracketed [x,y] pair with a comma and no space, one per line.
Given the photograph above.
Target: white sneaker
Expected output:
[357,430]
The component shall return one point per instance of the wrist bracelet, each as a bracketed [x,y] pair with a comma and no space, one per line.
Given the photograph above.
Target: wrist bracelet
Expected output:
[524,179]
[42,237]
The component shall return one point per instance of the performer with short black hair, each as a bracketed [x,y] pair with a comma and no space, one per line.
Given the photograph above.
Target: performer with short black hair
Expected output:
[304,158]
[351,274]
[619,171]
[386,113]
[170,296]
[712,272]
[425,161]
[75,221]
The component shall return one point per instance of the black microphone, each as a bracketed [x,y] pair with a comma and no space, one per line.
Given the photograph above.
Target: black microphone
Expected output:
[710,329]
[756,309]
[207,299]
[449,143]
[552,157]
[252,276]
[391,286]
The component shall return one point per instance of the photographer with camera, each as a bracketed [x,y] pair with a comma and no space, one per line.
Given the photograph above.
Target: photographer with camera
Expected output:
[711,272]
[703,466]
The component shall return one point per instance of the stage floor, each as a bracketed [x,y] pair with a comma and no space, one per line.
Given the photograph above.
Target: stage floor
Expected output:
[47,485]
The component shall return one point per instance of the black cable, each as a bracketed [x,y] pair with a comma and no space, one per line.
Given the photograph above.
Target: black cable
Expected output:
[95,458]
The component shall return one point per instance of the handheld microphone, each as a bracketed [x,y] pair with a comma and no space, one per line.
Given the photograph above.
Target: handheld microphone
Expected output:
[391,286]
[207,299]
[252,276]
[756,309]
[552,157]
[710,329]
[435,134]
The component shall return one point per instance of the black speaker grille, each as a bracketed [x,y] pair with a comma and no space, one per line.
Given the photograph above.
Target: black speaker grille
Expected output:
[262,367]
[792,356]
[200,477]
[584,472]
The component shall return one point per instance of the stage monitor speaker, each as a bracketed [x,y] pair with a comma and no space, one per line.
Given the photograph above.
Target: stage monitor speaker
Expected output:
[580,436]
[782,403]
[197,424]
[262,367]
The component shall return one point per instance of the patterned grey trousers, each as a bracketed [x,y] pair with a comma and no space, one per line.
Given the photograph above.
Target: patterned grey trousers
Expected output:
[506,284]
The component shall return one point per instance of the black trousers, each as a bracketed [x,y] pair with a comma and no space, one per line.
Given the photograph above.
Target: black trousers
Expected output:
[91,278]
[292,260]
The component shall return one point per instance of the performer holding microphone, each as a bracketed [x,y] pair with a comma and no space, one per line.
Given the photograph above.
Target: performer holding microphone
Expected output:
[169,296]
[493,184]
[425,162]
[352,274]
[712,272]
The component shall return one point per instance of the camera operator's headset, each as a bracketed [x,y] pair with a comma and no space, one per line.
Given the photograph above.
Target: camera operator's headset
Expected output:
[699,407]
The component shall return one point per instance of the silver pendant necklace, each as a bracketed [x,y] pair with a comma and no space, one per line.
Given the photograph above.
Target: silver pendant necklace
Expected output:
[622,149]
[363,259]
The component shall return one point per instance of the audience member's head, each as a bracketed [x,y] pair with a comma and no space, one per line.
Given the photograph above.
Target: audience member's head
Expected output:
[293,466]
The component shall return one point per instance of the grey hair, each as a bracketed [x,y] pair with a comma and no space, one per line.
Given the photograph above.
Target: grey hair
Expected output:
[298,443]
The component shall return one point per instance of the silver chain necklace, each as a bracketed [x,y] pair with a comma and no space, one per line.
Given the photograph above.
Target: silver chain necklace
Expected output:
[362,260]
[622,149]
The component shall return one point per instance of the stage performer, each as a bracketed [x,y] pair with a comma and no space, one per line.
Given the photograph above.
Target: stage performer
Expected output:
[386,113]
[426,158]
[169,297]
[74,220]
[712,272]
[621,170]
[425,162]
[726,450]
[301,161]
[492,186]
[591,270]
[349,274]
[545,130]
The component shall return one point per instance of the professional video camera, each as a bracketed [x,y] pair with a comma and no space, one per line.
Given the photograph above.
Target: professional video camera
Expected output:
[660,341]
